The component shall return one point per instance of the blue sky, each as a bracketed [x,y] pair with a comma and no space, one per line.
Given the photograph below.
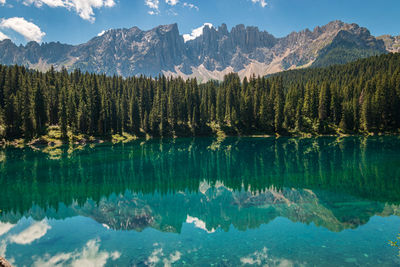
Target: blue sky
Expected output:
[77,21]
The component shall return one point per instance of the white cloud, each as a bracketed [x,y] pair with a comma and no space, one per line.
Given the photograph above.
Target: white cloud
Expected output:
[2,2]
[257,258]
[5,227]
[261,258]
[196,32]
[174,257]
[191,6]
[32,233]
[39,3]
[198,224]
[154,5]
[27,236]
[90,255]
[172,2]
[262,2]
[84,8]
[3,248]
[30,31]
[155,258]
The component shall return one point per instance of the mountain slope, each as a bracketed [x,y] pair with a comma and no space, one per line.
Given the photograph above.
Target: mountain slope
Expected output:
[213,54]
[392,43]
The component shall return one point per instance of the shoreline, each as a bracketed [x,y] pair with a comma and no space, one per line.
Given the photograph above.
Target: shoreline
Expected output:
[42,143]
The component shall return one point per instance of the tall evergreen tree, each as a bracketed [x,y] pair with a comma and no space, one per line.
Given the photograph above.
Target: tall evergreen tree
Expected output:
[307,100]
[27,125]
[278,106]
[324,102]
[63,114]
[40,108]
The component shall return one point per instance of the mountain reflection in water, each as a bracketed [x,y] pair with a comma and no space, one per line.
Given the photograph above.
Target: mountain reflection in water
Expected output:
[228,202]
[337,183]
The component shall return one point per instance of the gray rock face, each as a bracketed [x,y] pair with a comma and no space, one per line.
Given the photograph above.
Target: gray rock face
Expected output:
[218,49]
[131,51]
[392,43]
[245,50]
[33,53]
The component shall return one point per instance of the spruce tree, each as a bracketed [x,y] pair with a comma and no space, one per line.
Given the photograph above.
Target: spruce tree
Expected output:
[324,102]
[63,115]
[278,106]
[27,125]
[40,108]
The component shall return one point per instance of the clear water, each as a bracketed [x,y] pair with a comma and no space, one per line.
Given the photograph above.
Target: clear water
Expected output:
[203,202]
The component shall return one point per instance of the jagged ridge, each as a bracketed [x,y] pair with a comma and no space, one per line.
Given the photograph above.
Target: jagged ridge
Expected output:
[245,50]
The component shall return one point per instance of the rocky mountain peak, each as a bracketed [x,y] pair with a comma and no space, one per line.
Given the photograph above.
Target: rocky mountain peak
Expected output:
[223,29]
[392,43]
[168,28]
[209,55]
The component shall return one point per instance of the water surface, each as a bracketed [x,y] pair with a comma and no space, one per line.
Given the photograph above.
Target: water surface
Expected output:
[200,202]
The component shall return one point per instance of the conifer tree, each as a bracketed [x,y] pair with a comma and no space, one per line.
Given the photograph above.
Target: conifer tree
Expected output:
[40,108]
[324,102]
[367,99]
[278,106]
[366,114]
[27,125]
[63,115]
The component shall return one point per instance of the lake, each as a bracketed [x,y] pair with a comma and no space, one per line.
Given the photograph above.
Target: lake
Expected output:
[324,201]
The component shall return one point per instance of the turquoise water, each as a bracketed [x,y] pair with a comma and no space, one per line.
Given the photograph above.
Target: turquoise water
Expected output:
[201,202]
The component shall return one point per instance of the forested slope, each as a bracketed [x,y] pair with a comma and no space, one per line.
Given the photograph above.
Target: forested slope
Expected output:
[359,97]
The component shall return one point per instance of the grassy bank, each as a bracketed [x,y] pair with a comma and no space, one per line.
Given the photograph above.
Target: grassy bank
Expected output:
[53,137]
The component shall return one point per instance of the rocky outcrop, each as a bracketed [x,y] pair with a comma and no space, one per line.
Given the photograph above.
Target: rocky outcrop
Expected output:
[392,43]
[131,51]
[218,51]
[4,263]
